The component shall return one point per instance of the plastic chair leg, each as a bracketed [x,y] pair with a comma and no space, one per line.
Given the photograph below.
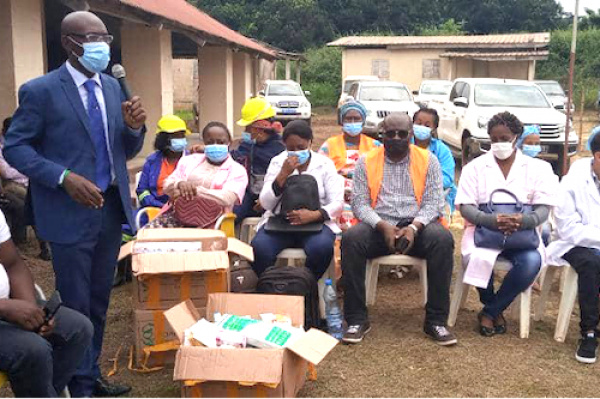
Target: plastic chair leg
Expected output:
[423,278]
[457,297]
[567,302]
[525,314]
[371,283]
[546,284]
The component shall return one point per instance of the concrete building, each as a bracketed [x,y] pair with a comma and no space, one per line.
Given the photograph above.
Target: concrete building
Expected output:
[411,59]
[149,34]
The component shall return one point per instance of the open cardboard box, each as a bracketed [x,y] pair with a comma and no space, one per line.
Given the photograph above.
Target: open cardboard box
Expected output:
[207,372]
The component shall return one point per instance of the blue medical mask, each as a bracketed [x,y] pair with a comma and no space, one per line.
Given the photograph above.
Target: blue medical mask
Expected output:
[531,150]
[178,145]
[353,129]
[96,56]
[247,138]
[422,133]
[216,152]
[302,155]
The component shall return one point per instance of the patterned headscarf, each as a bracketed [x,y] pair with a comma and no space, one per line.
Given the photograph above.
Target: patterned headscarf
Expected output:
[528,131]
[353,105]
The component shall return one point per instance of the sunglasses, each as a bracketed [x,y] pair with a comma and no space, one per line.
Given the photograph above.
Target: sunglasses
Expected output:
[391,134]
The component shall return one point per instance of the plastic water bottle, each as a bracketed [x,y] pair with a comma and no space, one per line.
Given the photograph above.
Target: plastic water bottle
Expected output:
[332,310]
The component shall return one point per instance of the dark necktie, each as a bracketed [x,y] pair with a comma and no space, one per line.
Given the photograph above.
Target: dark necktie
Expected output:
[103,176]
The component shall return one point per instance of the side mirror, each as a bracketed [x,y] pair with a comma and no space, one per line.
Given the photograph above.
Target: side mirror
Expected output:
[461,102]
[261,93]
[415,92]
[307,92]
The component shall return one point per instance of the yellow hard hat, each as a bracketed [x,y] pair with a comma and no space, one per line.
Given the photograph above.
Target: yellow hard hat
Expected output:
[256,109]
[171,124]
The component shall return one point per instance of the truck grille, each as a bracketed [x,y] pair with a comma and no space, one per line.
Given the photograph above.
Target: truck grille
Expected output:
[550,131]
[383,114]
[288,104]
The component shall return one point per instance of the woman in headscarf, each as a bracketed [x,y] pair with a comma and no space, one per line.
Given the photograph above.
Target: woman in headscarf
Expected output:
[345,149]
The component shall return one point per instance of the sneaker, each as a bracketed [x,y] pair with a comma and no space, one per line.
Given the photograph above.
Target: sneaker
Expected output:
[586,351]
[356,332]
[440,334]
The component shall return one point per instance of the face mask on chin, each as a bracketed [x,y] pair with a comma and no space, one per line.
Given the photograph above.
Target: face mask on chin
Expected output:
[396,148]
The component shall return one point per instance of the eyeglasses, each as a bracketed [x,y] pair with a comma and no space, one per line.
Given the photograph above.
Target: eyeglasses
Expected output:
[390,134]
[94,37]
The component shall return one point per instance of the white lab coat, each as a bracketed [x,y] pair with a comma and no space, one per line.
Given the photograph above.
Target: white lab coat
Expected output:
[330,183]
[531,180]
[577,214]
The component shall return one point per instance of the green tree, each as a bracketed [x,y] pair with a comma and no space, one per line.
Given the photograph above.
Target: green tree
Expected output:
[591,20]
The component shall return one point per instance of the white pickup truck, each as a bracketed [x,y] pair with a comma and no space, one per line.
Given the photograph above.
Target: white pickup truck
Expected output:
[472,102]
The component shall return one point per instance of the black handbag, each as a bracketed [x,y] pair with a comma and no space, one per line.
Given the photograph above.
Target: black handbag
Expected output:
[299,192]
[495,239]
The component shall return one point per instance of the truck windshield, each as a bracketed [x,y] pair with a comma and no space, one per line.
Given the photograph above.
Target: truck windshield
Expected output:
[503,95]
[552,88]
[384,93]
[284,90]
[440,89]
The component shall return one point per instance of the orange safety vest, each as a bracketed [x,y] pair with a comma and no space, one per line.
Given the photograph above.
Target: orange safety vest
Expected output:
[419,163]
[337,148]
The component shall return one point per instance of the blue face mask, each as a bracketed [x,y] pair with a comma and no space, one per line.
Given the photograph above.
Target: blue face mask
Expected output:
[178,145]
[247,138]
[96,56]
[216,152]
[531,150]
[302,155]
[353,129]
[422,133]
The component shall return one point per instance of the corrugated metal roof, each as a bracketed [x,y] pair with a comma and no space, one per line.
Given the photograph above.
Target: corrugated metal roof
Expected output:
[182,12]
[498,55]
[508,40]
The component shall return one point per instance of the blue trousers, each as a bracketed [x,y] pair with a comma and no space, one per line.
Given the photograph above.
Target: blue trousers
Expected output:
[318,248]
[40,367]
[84,276]
[526,266]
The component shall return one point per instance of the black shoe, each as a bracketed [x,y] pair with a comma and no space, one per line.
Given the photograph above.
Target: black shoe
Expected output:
[483,330]
[440,334]
[586,352]
[500,325]
[103,389]
[356,332]
[45,253]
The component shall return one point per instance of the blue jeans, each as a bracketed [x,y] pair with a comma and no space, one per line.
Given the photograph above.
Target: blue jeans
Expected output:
[38,367]
[526,266]
[318,248]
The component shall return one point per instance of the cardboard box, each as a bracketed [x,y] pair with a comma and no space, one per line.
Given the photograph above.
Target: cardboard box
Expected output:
[247,372]
[151,328]
[173,265]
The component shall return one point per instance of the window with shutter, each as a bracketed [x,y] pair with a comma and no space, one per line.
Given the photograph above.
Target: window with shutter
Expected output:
[431,69]
[380,68]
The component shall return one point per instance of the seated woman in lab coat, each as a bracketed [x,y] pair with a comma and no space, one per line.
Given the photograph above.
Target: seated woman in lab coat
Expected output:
[532,182]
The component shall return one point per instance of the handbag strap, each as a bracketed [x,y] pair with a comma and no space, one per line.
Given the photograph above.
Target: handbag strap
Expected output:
[519,204]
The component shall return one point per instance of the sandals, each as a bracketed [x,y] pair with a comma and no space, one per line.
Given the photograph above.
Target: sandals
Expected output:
[483,330]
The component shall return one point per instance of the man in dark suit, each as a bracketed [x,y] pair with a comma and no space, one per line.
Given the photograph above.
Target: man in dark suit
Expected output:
[71,135]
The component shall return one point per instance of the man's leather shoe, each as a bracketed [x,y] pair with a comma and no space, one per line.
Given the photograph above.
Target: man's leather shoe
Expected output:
[103,389]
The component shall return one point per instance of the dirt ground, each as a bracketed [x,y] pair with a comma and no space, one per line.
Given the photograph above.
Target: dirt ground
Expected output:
[396,359]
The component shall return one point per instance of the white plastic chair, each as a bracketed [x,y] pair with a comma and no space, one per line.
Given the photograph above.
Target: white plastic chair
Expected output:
[521,308]
[567,299]
[248,229]
[291,255]
[372,274]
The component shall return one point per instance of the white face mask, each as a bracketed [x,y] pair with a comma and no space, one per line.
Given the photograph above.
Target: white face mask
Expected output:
[503,150]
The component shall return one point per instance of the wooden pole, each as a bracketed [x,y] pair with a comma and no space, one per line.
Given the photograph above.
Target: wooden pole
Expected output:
[565,165]
[581,109]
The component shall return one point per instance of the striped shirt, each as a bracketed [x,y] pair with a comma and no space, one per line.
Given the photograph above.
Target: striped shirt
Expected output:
[396,199]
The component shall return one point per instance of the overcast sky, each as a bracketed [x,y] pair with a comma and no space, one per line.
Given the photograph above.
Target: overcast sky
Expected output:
[569,5]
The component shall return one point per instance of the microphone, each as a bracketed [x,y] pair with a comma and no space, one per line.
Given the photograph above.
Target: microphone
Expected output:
[119,73]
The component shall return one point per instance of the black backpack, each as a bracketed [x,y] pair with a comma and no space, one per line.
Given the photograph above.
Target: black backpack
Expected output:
[290,280]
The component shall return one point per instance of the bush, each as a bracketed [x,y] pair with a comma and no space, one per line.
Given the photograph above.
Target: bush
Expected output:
[587,64]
